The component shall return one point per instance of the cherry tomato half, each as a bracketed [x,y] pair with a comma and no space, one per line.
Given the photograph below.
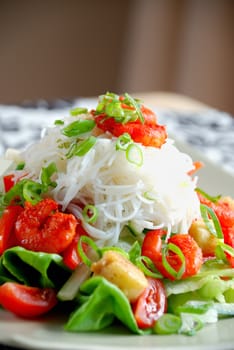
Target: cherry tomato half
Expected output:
[151,304]
[7,223]
[70,255]
[26,301]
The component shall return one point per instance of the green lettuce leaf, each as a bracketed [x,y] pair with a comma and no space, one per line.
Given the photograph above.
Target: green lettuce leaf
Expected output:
[101,302]
[33,268]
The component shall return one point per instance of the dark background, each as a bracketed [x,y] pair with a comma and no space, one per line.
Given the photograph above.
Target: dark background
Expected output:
[66,48]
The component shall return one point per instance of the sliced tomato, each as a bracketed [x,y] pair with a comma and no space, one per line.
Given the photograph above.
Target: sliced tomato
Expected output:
[9,182]
[7,225]
[152,247]
[70,255]
[151,304]
[26,301]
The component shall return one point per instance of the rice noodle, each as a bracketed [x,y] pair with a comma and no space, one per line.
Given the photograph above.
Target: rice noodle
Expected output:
[104,178]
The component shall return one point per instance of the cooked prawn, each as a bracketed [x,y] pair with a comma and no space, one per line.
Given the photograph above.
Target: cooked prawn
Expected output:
[42,227]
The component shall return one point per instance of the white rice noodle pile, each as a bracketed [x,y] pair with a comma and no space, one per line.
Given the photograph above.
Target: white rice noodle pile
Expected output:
[159,193]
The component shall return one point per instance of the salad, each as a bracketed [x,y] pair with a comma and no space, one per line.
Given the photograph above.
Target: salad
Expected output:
[103,219]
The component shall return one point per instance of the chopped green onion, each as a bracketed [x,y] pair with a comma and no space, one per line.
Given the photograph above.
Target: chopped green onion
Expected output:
[168,324]
[78,110]
[194,307]
[87,240]
[112,106]
[147,266]
[58,122]
[213,224]
[20,166]
[46,174]
[123,142]
[136,106]
[175,249]
[149,195]
[134,154]
[222,249]
[78,127]
[90,214]
[81,148]
[194,324]
[213,199]
[32,192]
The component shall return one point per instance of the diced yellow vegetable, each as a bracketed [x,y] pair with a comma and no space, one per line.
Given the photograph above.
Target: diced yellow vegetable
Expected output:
[120,271]
[206,240]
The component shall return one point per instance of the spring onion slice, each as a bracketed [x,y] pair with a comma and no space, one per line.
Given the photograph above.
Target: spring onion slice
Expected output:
[146,265]
[78,127]
[20,166]
[175,249]
[123,142]
[90,214]
[213,226]
[222,249]
[87,240]
[81,148]
[213,199]
[46,173]
[134,154]
[58,122]
[78,110]
[168,324]
[136,106]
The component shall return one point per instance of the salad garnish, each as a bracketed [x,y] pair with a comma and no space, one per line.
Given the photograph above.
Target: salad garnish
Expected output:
[104,214]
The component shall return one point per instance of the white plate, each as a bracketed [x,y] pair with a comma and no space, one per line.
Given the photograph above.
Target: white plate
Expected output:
[48,333]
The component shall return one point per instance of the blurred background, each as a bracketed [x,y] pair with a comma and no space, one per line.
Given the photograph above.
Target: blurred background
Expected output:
[68,48]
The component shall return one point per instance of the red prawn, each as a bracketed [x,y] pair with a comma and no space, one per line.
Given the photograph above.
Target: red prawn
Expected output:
[42,227]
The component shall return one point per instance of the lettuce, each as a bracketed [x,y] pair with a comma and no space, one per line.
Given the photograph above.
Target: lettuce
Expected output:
[100,303]
[33,268]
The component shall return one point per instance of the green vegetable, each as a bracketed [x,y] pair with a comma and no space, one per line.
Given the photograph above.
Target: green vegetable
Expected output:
[78,110]
[90,214]
[134,154]
[20,166]
[111,105]
[213,226]
[58,122]
[101,303]
[123,142]
[29,190]
[168,324]
[33,268]
[175,249]
[213,199]
[81,148]
[78,128]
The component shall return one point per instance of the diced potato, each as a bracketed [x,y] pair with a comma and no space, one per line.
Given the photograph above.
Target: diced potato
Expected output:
[120,271]
[206,240]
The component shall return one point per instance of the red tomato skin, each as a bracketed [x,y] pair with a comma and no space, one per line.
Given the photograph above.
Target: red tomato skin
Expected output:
[7,223]
[151,304]
[25,301]
[224,209]
[8,181]
[152,247]
[70,255]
